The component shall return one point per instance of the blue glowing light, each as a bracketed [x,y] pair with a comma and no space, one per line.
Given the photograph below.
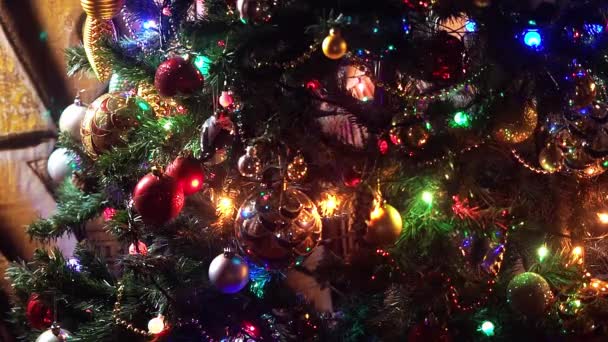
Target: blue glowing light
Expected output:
[470,26]
[74,264]
[594,28]
[533,39]
[150,24]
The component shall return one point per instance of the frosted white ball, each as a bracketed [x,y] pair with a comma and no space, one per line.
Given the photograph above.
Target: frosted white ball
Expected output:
[71,120]
[48,336]
[58,165]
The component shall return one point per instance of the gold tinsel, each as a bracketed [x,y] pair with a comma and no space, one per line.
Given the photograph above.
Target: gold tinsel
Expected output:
[101,9]
[95,31]
[162,106]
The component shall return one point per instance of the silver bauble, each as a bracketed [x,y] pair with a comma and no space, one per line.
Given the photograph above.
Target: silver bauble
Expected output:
[249,165]
[58,165]
[71,119]
[49,336]
[229,272]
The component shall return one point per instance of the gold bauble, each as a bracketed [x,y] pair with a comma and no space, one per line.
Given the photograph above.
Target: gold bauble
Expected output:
[334,46]
[482,3]
[515,122]
[107,121]
[297,169]
[551,158]
[384,226]
[163,107]
[102,9]
[95,32]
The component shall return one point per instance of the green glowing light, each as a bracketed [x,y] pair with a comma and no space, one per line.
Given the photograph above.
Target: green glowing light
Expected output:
[542,252]
[167,125]
[427,197]
[428,126]
[143,105]
[461,119]
[391,47]
[487,328]
[605,164]
[376,30]
[43,36]
[576,303]
[532,22]
[202,63]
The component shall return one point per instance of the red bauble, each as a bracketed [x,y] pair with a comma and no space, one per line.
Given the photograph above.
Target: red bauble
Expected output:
[38,314]
[428,331]
[177,75]
[158,198]
[188,172]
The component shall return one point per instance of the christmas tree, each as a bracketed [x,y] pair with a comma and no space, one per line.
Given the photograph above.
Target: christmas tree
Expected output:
[328,170]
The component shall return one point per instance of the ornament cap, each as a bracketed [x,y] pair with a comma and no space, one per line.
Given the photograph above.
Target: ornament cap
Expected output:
[229,252]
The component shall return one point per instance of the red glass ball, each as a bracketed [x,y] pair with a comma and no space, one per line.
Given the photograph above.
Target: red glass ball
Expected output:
[188,172]
[177,76]
[158,198]
[38,314]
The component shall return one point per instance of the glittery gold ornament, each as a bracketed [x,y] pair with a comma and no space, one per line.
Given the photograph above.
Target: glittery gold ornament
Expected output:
[384,225]
[334,46]
[107,121]
[163,107]
[551,158]
[102,9]
[297,169]
[529,294]
[94,33]
[515,122]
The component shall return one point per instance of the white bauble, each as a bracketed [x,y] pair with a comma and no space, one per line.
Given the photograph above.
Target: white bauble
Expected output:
[48,336]
[58,165]
[71,119]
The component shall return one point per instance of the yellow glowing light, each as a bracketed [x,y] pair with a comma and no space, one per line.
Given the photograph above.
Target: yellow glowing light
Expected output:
[603,217]
[329,205]
[577,251]
[156,325]
[225,206]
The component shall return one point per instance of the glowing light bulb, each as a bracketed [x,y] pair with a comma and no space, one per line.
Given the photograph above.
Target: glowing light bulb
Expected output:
[461,119]
[542,252]
[470,26]
[427,197]
[150,24]
[533,38]
[577,251]
[195,183]
[225,206]
[328,205]
[156,325]
[487,328]
[603,217]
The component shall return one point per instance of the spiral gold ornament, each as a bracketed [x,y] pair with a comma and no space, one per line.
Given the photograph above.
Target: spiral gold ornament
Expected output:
[102,9]
[94,33]
[163,107]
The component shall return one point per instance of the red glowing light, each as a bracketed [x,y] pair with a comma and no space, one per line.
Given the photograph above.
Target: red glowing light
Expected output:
[383,146]
[108,213]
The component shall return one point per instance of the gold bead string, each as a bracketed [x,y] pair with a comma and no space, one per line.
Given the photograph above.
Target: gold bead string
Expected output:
[527,165]
[447,155]
[121,322]
[290,64]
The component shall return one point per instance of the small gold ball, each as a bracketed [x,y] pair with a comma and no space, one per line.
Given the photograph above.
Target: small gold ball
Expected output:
[334,46]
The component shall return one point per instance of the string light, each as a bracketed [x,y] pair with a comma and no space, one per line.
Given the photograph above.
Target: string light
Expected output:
[225,206]
[487,328]
[603,217]
[461,119]
[427,197]
[542,252]
[533,38]
[329,205]
[156,325]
